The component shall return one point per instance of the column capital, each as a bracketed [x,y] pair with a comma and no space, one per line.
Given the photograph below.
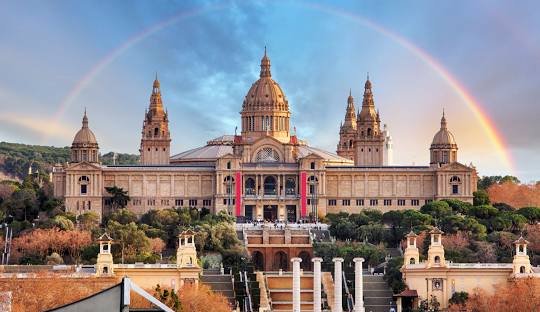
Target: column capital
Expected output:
[317,259]
[358,260]
[296,260]
[338,260]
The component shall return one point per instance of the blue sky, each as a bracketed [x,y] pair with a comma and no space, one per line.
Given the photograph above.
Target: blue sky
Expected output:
[207,55]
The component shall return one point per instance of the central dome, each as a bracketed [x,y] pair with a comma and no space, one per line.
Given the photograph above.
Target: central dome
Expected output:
[443,137]
[265,94]
[85,135]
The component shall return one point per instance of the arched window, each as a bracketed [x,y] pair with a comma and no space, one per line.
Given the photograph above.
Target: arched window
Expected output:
[229,184]
[455,181]
[522,270]
[290,186]
[105,270]
[350,143]
[267,154]
[369,132]
[83,182]
[156,131]
[228,165]
[250,186]
[437,260]
[270,186]
[312,181]
[412,261]
[312,165]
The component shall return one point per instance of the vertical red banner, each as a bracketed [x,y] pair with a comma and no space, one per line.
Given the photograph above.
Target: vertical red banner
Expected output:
[303,191]
[238,180]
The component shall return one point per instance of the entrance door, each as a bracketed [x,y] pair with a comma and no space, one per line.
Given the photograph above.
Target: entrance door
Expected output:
[249,212]
[291,213]
[270,212]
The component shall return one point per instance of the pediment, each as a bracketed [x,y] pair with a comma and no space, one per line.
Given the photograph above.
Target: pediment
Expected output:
[455,167]
[84,166]
[313,156]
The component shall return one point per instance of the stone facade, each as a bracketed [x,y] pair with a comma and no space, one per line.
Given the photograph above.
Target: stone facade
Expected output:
[266,172]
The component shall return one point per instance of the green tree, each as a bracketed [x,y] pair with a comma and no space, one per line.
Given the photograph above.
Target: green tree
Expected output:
[531,213]
[119,198]
[480,197]
[459,298]
[89,221]
[132,241]
[437,209]
[123,216]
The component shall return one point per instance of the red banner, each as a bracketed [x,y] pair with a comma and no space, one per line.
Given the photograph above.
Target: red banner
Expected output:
[303,185]
[238,194]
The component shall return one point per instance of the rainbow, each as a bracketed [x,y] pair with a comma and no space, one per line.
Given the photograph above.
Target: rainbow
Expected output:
[473,104]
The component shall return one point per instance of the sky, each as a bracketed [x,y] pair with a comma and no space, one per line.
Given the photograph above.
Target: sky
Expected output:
[477,60]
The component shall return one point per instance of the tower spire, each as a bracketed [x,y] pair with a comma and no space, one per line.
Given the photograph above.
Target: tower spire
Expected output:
[85,119]
[443,121]
[265,65]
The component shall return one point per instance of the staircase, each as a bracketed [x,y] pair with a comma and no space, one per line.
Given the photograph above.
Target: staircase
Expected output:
[377,294]
[222,284]
[280,291]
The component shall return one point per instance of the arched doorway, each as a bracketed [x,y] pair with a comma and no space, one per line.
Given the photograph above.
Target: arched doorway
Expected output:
[306,260]
[258,260]
[281,261]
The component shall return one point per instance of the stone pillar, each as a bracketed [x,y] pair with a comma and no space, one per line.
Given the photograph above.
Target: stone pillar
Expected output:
[296,284]
[358,285]
[337,285]
[317,284]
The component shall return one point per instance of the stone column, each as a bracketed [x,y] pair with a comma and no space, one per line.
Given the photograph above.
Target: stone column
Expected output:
[358,285]
[317,284]
[337,285]
[296,284]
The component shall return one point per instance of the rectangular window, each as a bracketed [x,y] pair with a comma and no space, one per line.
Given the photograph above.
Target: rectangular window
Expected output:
[151,202]
[415,202]
[346,202]
[312,201]
[455,189]
[359,202]
[428,201]
[84,189]
[332,202]
[207,202]
[387,202]
[192,203]
[373,202]
[179,202]
[401,202]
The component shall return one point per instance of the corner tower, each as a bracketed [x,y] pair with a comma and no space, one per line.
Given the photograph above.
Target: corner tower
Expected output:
[85,147]
[347,131]
[443,148]
[265,111]
[370,141]
[156,138]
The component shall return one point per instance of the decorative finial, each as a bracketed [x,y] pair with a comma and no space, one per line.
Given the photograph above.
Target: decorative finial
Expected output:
[367,75]
[264,50]
[350,91]
[156,75]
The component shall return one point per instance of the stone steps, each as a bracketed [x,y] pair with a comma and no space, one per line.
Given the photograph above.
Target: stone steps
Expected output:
[219,284]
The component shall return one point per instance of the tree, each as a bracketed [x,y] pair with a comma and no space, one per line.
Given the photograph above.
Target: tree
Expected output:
[459,299]
[480,197]
[132,241]
[123,216]
[88,221]
[119,198]
[437,209]
[516,295]
[531,213]
[54,259]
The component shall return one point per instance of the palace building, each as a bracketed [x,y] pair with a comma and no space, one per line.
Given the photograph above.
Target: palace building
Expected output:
[265,172]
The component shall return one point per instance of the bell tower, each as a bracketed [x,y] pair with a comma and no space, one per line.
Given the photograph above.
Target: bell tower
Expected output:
[186,255]
[411,254]
[436,249]
[104,263]
[156,138]
[370,140]
[521,263]
[347,131]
